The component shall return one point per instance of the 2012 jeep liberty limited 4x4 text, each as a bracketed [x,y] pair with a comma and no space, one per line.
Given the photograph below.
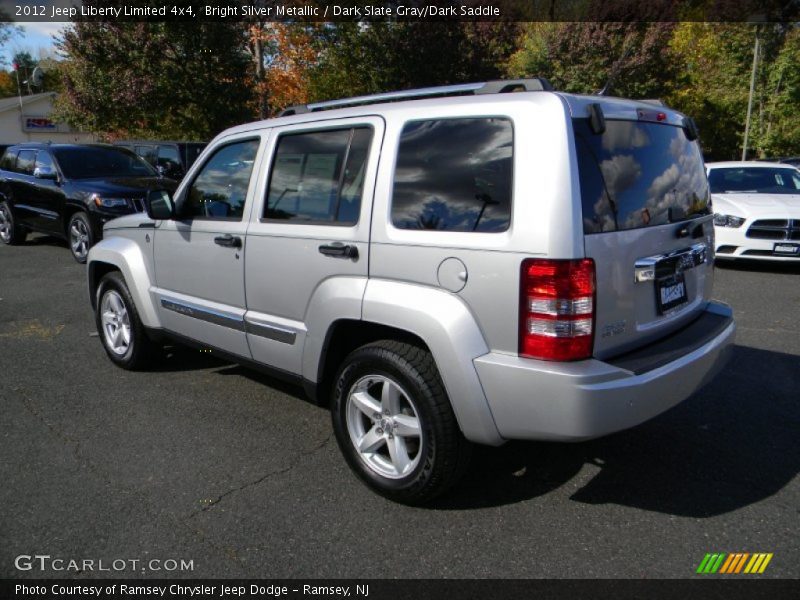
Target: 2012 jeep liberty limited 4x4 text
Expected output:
[443,266]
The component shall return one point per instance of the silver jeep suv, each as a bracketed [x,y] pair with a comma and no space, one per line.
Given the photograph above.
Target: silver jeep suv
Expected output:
[444,266]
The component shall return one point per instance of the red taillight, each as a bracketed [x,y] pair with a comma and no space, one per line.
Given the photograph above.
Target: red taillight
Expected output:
[556,309]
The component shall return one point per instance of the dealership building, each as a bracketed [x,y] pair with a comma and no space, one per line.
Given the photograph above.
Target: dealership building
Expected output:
[28,119]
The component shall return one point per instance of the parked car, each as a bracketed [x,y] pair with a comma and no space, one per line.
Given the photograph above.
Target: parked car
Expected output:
[757,210]
[171,159]
[70,191]
[789,160]
[447,266]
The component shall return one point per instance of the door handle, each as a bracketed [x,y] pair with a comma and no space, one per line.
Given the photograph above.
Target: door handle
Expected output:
[339,250]
[228,241]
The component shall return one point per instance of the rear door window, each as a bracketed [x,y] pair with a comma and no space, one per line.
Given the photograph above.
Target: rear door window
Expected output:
[318,176]
[45,161]
[454,175]
[25,161]
[638,174]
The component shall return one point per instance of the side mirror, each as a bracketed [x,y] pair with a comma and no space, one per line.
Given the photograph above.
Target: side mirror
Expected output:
[160,205]
[45,173]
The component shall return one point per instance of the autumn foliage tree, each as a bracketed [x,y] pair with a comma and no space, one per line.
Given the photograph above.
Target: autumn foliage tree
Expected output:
[192,79]
[288,55]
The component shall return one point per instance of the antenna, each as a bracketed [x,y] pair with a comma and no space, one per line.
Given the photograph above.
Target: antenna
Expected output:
[616,67]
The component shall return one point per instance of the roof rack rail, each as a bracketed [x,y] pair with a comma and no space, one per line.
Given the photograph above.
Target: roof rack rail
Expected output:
[502,86]
[653,101]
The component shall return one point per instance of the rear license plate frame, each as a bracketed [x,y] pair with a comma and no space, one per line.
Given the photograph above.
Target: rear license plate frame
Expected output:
[671,292]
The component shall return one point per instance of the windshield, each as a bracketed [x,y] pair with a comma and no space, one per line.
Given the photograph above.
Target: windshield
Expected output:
[638,174]
[90,162]
[754,180]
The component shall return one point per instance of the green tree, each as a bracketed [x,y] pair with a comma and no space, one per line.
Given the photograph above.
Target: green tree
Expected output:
[154,79]
[365,58]
[780,131]
[625,59]
[713,82]
[24,61]
[25,65]
[702,69]
[713,85]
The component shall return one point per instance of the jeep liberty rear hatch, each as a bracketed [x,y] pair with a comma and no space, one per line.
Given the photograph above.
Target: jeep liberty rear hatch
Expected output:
[646,224]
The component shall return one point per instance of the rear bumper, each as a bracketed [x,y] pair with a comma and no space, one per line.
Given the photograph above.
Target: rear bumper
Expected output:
[539,400]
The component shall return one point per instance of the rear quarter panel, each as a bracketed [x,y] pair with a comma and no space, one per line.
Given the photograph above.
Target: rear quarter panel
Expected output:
[545,213]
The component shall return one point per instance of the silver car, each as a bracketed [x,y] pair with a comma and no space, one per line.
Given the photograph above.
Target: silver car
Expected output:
[443,267]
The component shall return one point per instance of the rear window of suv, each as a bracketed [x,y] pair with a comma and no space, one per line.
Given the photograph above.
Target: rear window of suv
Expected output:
[638,174]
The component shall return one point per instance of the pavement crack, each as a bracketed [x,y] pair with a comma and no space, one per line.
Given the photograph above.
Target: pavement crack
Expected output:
[213,502]
[27,403]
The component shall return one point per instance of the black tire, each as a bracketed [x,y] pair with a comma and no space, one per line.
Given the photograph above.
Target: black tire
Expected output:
[137,354]
[438,456]
[80,236]
[10,232]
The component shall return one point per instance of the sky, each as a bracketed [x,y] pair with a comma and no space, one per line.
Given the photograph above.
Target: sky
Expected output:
[33,37]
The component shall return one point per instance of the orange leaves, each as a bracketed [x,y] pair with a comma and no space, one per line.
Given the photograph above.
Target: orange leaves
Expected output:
[288,54]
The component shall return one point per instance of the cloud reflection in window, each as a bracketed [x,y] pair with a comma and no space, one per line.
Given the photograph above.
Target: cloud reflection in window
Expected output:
[454,175]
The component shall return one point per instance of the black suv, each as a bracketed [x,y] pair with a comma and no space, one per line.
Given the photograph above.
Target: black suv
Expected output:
[71,190]
[171,159]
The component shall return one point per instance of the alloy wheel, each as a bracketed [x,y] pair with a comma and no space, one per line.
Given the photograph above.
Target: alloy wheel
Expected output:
[5,224]
[384,426]
[116,323]
[79,238]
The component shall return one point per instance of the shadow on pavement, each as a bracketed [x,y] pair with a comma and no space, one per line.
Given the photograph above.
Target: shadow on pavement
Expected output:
[732,444]
[290,389]
[184,358]
[179,357]
[41,239]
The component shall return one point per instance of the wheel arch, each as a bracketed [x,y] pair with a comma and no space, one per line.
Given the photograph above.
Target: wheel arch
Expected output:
[427,317]
[70,208]
[344,336]
[125,256]
[95,271]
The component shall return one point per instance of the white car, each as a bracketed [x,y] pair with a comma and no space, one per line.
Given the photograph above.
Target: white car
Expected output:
[756,210]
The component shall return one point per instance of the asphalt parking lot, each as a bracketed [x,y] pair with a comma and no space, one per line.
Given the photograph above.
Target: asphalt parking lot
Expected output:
[207,462]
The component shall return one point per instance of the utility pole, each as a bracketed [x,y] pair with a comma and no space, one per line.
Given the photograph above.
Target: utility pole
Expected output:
[750,100]
[19,95]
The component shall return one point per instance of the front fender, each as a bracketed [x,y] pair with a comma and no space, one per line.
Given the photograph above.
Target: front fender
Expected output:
[447,326]
[125,255]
